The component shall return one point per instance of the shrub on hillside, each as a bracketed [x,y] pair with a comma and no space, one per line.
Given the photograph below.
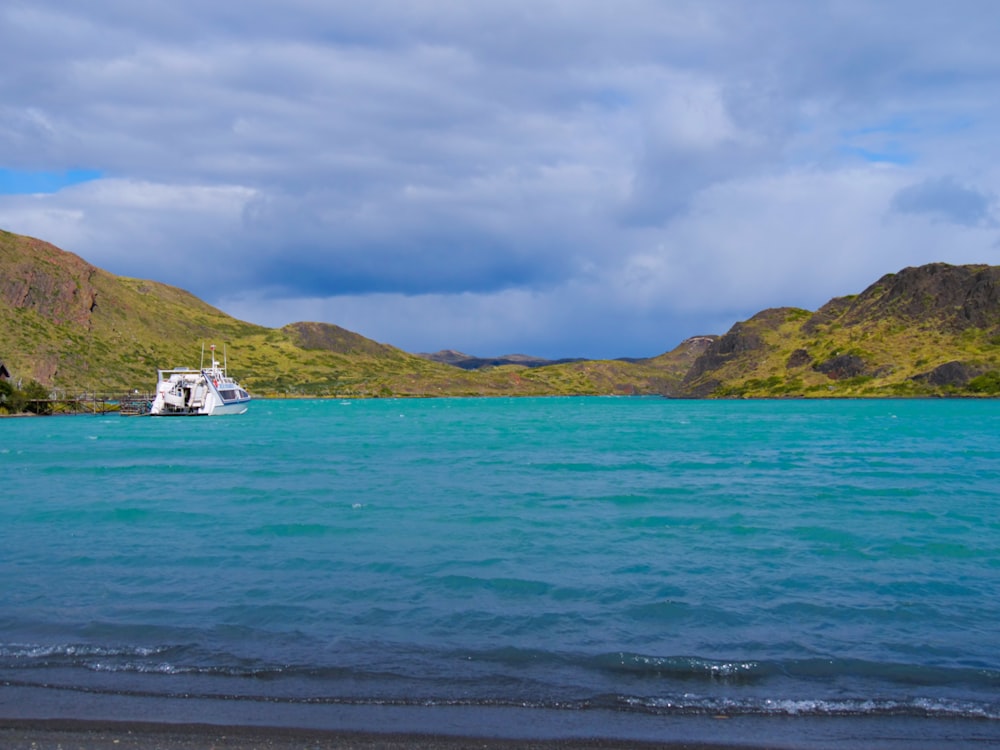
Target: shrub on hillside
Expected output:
[988,382]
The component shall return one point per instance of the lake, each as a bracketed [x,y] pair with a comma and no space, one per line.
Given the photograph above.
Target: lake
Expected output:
[825,573]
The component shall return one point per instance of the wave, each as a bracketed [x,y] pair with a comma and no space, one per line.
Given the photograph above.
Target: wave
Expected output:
[180,658]
[637,682]
[736,671]
[921,706]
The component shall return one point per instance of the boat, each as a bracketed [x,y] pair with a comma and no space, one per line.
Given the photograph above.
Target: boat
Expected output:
[205,392]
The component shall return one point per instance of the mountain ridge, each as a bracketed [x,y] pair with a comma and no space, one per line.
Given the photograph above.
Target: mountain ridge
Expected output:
[930,330]
[472,362]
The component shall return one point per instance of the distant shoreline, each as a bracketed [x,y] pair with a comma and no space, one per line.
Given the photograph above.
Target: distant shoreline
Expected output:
[404,397]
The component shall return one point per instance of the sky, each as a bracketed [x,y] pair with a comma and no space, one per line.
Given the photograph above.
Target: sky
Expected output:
[550,177]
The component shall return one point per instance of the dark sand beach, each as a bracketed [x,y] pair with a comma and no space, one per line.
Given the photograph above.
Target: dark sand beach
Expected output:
[103,735]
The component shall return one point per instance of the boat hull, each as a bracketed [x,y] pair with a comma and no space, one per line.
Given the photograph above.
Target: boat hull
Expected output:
[218,411]
[238,407]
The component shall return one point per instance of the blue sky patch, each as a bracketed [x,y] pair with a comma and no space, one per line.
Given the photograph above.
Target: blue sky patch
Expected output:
[21,182]
[887,155]
[880,143]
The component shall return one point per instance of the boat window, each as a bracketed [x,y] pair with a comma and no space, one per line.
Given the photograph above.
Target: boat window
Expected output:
[227,395]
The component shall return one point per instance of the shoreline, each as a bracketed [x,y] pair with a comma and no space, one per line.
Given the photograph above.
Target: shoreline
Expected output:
[83,734]
[379,731]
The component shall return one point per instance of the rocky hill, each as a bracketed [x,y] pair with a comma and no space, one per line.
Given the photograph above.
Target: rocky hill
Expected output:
[931,330]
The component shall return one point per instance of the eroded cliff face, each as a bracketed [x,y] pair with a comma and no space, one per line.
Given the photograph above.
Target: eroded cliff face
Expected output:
[59,287]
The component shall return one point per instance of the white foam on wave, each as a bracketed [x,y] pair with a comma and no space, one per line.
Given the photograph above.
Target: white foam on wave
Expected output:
[841,707]
[162,668]
[39,651]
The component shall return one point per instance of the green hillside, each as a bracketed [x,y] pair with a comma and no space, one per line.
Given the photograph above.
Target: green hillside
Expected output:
[927,331]
[76,328]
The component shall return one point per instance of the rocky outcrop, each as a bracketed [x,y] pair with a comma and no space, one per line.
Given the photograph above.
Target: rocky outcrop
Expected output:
[798,358]
[739,340]
[954,297]
[842,367]
[955,374]
[55,284]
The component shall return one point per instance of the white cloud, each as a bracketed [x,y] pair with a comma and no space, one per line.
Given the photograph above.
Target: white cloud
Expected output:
[139,229]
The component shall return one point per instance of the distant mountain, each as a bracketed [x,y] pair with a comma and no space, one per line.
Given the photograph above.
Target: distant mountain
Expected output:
[469,362]
[446,356]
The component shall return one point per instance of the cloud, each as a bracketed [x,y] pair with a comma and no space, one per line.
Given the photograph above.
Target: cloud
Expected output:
[562,179]
[943,199]
[691,140]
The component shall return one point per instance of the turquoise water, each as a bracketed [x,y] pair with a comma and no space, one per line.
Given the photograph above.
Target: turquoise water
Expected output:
[626,567]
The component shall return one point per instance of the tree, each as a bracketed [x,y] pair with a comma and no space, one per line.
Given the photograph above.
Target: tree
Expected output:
[36,397]
[12,400]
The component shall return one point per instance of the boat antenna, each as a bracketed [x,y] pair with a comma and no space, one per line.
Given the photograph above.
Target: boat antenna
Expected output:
[202,365]
[225,359]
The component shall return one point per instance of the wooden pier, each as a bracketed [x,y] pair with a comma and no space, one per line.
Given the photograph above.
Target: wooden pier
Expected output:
[126,404]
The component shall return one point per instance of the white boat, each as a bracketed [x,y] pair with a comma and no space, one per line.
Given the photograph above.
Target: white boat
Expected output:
[207,391]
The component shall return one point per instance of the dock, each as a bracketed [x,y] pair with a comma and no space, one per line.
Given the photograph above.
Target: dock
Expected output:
[125,404]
